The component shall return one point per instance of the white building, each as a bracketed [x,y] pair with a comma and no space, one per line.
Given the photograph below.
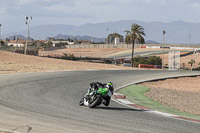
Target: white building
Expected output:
[16,43]
[56,42]
[117,40]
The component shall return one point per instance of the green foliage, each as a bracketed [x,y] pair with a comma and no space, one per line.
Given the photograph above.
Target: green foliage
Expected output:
[111,37]
[70,39]
[139,60]
[136,94]
[2,43]
[47,45]
[191,62]
[61,44]
[68,56]
[135,34]
[7,48]
[152,60]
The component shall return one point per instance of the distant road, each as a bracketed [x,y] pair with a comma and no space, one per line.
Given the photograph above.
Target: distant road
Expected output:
[128,55]
[48,102]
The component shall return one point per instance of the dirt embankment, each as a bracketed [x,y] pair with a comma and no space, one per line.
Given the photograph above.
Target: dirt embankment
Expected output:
[182,93]
[19,63]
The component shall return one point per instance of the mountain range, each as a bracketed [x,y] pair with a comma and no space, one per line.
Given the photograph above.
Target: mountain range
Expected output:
[176,32]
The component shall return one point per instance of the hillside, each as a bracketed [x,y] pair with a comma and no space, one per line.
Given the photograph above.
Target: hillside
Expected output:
[176,32]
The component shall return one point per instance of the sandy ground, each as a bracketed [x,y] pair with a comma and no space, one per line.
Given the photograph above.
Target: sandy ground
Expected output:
[93,52]
[111,52]
[182,93]
[19,63]
[184,60]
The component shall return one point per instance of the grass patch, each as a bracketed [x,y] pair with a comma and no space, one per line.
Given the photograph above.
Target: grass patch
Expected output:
[135,93]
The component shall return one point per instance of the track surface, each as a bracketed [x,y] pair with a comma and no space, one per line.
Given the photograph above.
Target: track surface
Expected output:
[48,102]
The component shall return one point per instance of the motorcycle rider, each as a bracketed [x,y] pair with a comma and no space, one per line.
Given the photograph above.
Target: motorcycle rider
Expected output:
[97,85]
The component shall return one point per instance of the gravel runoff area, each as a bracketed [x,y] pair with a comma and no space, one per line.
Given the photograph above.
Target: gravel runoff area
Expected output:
[181,93]
[19,63]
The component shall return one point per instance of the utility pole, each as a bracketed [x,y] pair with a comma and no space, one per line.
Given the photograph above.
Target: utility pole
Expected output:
[164,32]
[190,36]
[107,36]
[28,23]
[0,32]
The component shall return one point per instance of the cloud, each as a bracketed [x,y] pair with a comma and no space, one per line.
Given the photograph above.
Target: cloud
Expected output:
[24,2]
[194,3]
[94,11]
[3,10]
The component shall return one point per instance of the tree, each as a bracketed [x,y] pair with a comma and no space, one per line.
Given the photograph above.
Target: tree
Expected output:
[154,60]
[135,34]
[183,65]
[2,43]
[111,37]
[191,62]
[139,60]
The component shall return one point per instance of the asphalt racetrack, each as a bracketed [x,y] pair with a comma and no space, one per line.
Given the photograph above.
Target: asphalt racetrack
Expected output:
[49,103]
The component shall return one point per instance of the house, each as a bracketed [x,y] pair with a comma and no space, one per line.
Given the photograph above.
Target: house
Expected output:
[16,43]
[117,40]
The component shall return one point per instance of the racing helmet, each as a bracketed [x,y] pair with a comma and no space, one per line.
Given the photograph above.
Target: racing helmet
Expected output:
[109,85]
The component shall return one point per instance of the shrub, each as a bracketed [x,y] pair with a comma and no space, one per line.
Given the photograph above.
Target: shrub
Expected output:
[68,56]
[152,60]
[139,60]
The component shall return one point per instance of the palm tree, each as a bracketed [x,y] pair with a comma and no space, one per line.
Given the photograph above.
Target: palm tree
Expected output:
[134,35]
[191,62]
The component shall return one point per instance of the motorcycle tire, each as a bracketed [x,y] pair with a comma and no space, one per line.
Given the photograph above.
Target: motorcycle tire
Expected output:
[98,99]
[81,103]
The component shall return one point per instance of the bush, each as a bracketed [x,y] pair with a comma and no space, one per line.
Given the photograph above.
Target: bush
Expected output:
[152,60]
[61,44]
[68,56]
[139,60]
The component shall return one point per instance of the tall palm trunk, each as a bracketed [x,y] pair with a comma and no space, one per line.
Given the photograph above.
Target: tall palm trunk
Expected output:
[133,43]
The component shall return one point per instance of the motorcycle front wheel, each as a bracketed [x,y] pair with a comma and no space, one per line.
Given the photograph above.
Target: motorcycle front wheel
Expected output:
[81,103]
[95,101]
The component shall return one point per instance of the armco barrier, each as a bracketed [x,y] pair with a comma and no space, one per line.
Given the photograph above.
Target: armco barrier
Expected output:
[165,47]
[152,46]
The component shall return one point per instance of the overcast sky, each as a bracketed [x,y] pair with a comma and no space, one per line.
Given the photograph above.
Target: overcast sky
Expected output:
[77,12]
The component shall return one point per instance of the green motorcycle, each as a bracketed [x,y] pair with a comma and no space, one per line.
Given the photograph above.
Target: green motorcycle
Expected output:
[95,97]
